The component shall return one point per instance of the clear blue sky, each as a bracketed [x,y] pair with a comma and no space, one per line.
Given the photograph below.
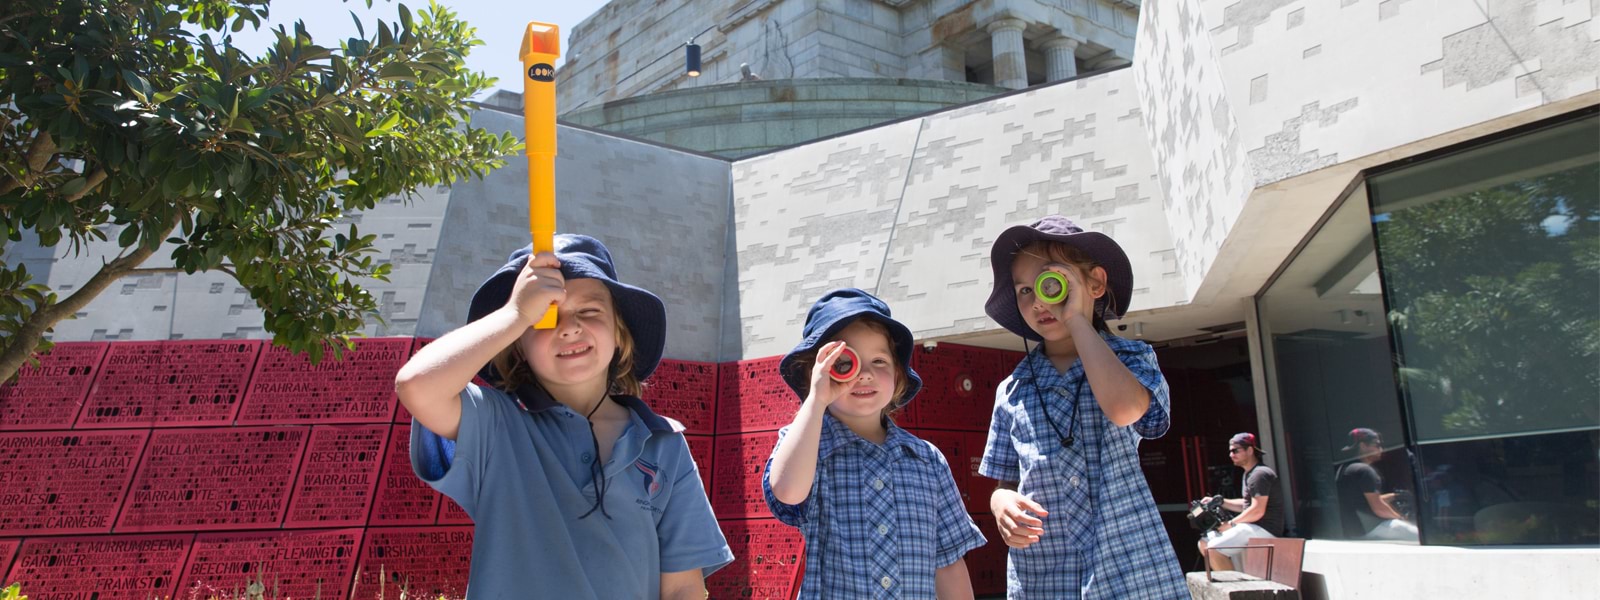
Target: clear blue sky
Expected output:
[499,22]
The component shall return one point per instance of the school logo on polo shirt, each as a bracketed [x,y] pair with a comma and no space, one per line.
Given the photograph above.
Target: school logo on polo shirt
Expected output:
[651,485]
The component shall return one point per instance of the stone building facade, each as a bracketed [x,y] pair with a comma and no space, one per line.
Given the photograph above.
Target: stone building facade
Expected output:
[633,47]
[895,58]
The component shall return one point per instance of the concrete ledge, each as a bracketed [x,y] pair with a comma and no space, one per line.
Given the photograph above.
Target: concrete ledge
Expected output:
[1233,585]
[739,119]
[1358,570]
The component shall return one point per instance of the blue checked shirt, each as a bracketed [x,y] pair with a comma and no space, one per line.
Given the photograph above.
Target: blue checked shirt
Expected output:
[1103,537]
[880,519]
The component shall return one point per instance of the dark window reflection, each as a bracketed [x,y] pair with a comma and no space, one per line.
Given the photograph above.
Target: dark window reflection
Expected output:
[1490,262]
[1535,489]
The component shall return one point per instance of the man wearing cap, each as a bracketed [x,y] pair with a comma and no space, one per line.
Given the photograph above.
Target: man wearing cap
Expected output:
[1364,511]
[1260,509]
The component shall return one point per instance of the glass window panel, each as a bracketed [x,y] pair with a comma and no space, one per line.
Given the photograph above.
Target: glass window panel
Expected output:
[1322,321]
[1490,259]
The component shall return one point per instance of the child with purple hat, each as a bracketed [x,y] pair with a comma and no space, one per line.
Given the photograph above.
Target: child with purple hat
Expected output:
[1072,503]
[878,508]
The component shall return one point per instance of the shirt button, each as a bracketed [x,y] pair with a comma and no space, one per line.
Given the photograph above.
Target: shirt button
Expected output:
[883,529]
[886,582]
[877,484]
[586,458]
[1074,481]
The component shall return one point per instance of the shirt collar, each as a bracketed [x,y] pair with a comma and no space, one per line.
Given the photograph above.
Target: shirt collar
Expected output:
[534,399]
[836,435]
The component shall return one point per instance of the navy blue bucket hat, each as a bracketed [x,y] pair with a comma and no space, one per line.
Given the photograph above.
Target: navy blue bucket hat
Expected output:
[833,312]
[1099,247]
[583,257]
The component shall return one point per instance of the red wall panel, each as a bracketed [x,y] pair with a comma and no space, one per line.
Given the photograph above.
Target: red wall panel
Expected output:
[752,397]
[8,549]
[451,513]
[738,463]
[357,388]
[338,476]
[120,567]
[65,481]
[214,479]
[702,448]
[958,385]
[430,561]
[48,396]
[402,499]
[169,384]
[987,564]
[293,564]
[767,558]
[686,391]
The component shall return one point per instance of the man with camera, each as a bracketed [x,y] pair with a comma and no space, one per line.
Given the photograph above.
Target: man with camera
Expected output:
[1260,509]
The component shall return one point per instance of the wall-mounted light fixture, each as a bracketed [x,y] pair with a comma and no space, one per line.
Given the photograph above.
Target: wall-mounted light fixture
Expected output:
[1138,329]
[691,58]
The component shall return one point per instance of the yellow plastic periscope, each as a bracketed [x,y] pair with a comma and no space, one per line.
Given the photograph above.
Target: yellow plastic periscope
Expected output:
[541,45]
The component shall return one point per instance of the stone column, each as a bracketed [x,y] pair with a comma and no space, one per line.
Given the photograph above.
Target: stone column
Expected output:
[1010,59]
[1060,58]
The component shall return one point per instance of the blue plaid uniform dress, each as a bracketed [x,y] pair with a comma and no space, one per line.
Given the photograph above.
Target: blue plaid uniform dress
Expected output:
[1104,537]
[880,519]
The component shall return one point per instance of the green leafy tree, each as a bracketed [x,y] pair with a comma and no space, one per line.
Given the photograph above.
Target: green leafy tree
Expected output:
[140,119]
[1495,301]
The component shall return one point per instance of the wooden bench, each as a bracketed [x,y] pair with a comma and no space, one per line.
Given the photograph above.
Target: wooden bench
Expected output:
[1271,569]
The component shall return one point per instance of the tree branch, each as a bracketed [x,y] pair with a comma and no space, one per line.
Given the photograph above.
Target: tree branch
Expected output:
[95,179]
[16,16]
[16,350]
[166,270]
[40,151]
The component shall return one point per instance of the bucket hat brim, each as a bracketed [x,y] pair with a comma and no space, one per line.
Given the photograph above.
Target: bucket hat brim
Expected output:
[583,257]
[1099,247]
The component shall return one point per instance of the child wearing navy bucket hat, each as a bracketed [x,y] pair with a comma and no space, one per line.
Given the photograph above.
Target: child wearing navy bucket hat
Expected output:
[877,506]
[1072,503]
[577,488]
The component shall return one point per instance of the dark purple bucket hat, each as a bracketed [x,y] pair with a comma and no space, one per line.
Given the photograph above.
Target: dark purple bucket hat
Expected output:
[1100,248]
[583,257]
[833,312]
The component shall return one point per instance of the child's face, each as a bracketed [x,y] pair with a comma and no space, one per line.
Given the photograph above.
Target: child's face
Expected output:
[1025,269]
[873,388]
[580,347]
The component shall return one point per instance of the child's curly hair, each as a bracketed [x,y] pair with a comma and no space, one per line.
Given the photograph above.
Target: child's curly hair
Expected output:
[515,371]
[902,379]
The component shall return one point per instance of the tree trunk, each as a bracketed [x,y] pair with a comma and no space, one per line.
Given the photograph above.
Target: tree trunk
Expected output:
[20,347]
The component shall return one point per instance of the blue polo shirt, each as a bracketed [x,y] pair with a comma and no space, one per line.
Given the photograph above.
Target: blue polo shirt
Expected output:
[521,470]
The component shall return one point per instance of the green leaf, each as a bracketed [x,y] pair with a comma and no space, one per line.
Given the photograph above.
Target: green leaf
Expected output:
[74,186]
[398,71]
[129,235]
[137,85]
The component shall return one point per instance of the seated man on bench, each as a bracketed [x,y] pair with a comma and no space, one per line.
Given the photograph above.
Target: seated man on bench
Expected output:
[1259,516]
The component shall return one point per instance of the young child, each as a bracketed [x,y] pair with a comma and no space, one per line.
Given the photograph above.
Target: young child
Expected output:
[577,488]
[878,508]
[1064,442]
